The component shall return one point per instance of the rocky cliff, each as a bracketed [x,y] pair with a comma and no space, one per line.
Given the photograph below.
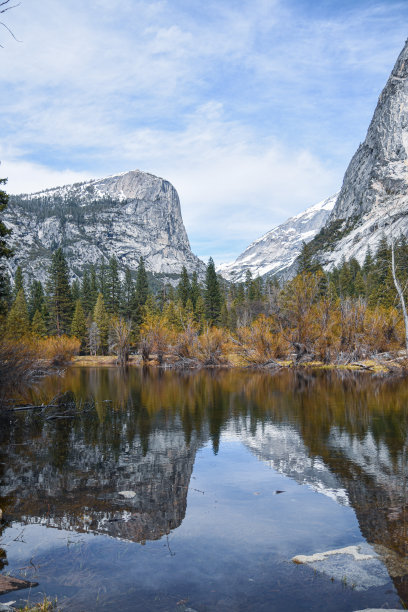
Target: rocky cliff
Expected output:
[129,215]
[373,199]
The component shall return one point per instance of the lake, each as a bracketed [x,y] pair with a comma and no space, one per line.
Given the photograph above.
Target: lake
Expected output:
[162,491]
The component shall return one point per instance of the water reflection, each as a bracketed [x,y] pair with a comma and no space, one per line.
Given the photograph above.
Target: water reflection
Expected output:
[344,436]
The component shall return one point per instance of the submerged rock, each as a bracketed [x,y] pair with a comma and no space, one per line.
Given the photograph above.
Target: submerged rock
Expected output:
[356,566]
[127,494]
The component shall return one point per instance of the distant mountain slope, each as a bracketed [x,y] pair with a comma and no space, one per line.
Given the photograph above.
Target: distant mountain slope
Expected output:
[128,215]
[276,251]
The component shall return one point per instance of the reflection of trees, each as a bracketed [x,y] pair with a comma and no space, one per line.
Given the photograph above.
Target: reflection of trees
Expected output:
[332,413]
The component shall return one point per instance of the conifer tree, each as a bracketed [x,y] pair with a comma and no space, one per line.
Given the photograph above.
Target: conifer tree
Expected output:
[100,317]
[195,289]
[232,318]
[18,324]
[75,291]
[112,298]
[212,295]
[199,313]
[306,261]
[127,295]
[189,311]
[37,299]
[368,262]
[93,287]
[141,293]
[224,315]
[78,325]
[102,279]
[5,253]
[184,288]
[86,296]
[38,326]
[59,294]
[18,282]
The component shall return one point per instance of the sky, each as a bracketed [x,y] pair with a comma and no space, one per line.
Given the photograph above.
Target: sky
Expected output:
[252,109]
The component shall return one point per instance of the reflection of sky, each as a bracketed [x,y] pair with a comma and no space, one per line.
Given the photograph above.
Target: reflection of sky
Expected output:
[233,546]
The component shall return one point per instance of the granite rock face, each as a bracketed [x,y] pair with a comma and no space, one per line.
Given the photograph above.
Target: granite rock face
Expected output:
[373,199]
[276,251]
[129,215]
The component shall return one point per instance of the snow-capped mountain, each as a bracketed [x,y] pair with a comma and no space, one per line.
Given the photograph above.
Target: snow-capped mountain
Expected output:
[129,215]
[276,251]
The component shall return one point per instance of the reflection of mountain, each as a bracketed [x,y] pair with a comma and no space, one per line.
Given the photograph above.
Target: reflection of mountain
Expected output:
[350,469]
[77,484]
[283,449]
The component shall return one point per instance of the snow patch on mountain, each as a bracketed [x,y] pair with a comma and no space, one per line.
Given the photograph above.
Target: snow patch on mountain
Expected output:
[275,251]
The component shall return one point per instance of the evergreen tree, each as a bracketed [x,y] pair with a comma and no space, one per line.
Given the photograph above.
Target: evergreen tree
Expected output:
[306,261]
[75,291]
[141,293]
[101,318]
[36,299]
[368,262]
[93,287]
[224,315]
[112,298]
[345,280]
[212,294]
[78,325]
[38,326]
[59,294]
[5,253]
[86,297]
[18,282]
[18,324]
[199,313]
[127,295]
[232,318]
[184,288]
[195,289]
[102,279]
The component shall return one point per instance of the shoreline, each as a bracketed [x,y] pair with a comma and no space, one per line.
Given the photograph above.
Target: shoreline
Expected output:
[372,366]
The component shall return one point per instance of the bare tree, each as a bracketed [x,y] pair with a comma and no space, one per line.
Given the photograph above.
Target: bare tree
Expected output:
[121,331]
[400,294]
[4,7]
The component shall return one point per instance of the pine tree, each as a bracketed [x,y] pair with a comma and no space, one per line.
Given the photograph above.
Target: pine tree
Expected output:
[18,282]
[59,294]
[37,299]
[78,325]
[195,291]
[100,317]
[18,324]
[75,291]
[127,295]
[141,293]
[212,294]
[93,287]
[5,253]
[86,296]
[38,326]
[232,318]
[306,261]
[102,279]
[199,313]
[184,288]
[112,299]
[224,316]
[368,262]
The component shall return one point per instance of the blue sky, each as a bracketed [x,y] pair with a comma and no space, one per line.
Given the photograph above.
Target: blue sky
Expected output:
[252,109]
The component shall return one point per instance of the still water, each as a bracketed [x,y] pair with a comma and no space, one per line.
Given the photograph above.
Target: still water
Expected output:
[161,491]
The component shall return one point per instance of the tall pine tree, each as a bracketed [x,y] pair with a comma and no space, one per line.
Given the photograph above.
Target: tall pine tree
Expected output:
[5,253]
[212,294]
[59,294]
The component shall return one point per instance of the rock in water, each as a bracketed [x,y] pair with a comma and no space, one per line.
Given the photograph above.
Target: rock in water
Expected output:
[358,566]
[129,215]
